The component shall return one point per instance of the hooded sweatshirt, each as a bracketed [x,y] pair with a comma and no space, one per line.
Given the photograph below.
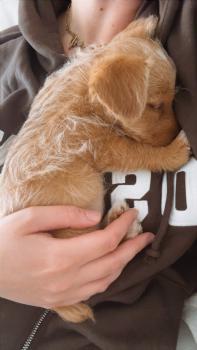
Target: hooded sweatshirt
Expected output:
[142,309]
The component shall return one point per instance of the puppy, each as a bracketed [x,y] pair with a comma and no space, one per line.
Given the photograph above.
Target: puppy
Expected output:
[110,109]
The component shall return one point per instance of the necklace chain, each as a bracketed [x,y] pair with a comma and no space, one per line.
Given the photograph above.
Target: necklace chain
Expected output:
[75,39]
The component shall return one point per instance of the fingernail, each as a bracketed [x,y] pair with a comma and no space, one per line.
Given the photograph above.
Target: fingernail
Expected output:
[135,212]
[150,237]
[93,215]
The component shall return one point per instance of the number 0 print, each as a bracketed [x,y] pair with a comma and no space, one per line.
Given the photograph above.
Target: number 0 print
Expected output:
[188,215]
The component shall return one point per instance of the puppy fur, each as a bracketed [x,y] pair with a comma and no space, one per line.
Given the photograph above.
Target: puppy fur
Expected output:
[109,109]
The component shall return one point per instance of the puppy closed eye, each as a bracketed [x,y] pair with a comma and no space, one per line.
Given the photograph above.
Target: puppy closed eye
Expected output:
[156,106]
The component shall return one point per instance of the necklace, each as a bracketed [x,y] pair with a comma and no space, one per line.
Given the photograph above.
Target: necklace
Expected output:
[75,40]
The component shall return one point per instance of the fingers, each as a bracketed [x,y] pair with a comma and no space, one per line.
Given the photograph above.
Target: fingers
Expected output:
[119,258]
[86,291]
[46,218]
[97,276]
[98,286]
[115,261]
[93,245]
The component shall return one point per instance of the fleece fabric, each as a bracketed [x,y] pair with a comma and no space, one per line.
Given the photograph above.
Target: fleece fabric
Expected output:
[142,309]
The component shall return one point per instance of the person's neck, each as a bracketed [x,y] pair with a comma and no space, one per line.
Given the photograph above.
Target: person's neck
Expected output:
[98,21]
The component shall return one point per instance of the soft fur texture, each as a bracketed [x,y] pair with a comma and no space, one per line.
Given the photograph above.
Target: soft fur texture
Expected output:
[110,109]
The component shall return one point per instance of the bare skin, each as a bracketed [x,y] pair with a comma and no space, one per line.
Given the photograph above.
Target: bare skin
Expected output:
[37,269]
[98,21]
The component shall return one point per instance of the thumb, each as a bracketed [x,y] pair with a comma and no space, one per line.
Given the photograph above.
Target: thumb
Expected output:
[46,218]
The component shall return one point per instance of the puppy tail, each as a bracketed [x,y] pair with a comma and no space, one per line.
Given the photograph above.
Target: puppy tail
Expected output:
[75,313]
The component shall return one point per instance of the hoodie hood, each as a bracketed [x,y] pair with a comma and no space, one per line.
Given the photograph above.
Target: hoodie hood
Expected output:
[38,25]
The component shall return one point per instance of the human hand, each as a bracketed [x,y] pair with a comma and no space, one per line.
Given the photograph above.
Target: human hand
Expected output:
[38,269]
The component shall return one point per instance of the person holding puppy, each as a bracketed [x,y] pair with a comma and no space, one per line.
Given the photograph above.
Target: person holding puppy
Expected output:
[49,34]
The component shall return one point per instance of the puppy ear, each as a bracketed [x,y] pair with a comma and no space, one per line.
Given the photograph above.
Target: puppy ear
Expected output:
[142,27]
[120,83]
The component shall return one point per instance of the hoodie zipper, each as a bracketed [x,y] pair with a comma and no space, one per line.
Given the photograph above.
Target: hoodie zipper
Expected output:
[34,331]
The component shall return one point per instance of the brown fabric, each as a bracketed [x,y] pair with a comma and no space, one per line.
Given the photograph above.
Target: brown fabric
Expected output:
[142,309]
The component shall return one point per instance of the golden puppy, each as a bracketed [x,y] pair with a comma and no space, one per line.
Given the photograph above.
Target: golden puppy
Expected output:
[110,109]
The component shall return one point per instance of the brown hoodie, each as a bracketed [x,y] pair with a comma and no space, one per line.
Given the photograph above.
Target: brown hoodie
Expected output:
[142,309]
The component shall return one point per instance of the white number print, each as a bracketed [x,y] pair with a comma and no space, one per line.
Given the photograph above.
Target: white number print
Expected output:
[136,191]
[1,135]
[5,147]
[187,217]
[181,215]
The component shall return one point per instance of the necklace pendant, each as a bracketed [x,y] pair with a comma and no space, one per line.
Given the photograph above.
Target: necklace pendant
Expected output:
[74,41]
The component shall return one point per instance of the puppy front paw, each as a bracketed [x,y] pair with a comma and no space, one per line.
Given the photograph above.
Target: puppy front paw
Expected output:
[178,152]
[118,209]
[134,230]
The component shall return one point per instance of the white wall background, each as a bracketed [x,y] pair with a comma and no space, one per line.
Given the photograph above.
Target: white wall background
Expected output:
[8,13]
